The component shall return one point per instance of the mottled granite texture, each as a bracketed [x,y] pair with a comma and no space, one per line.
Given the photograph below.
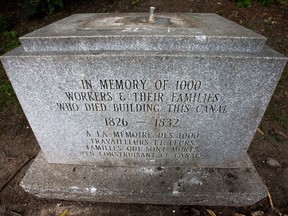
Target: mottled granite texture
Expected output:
[186,32]
[72,127]
[146,185]
[127,111]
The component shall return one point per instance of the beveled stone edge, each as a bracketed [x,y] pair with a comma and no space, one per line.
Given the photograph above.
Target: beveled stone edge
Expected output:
[55,192]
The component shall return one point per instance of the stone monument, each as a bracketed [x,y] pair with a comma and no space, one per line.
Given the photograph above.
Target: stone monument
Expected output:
[135,108]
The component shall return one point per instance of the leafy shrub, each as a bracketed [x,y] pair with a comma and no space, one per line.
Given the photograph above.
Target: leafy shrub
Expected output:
[267,2]
[244,3]
[54,4]
[39,8]
[7,95]
[3,25]
[10,41]
[248,3]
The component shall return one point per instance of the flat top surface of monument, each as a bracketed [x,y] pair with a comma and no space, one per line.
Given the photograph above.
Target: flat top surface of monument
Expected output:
[137,24]
[133,31]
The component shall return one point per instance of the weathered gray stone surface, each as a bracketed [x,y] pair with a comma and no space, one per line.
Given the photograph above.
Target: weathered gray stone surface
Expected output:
[186,32]
[149,185]
[211,126]
[132,112]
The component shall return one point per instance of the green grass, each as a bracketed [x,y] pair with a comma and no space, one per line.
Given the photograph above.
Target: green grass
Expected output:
[10,41]
[7,95]
[282,120]
[248,3]
[3,24]
[284,76]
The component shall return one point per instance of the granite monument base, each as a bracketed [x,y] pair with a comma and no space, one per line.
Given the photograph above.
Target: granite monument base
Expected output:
[237,186]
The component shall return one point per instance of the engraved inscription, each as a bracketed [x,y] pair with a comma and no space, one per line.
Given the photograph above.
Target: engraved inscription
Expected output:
[161,106]
[141,144]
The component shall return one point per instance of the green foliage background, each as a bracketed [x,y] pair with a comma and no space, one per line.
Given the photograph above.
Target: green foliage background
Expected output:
[34,8]
[248,3]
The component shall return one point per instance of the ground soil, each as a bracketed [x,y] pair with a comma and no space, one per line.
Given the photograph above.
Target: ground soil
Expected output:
[268,150]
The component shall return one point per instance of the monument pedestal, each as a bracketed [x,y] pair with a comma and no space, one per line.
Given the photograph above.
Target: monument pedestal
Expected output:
[146,185]
[157,110]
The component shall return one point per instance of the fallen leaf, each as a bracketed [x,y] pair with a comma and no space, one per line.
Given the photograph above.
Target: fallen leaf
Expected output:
[272,162]
[270,200]
[211,212]
[64,213]
[260,131]
[237,214]
[280,133]
[258,213]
